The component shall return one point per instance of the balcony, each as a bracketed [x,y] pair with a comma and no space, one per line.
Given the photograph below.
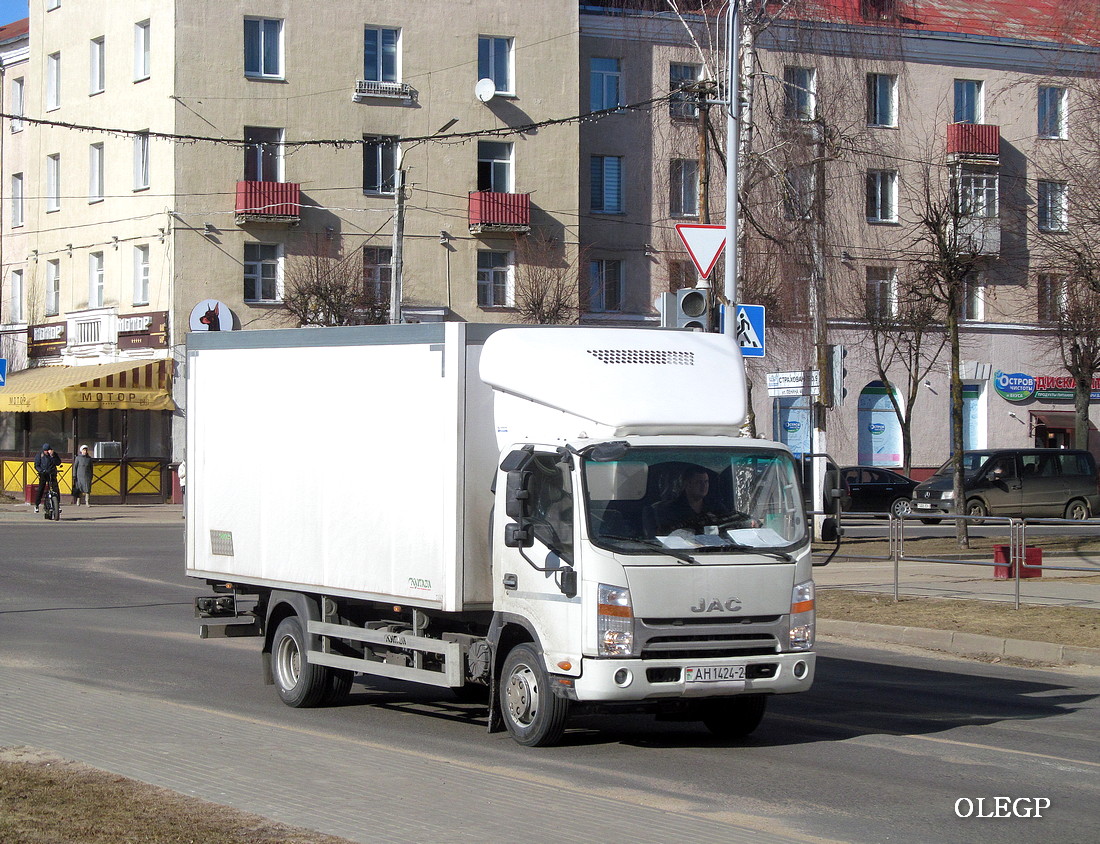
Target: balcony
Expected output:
[268,202]
[979,236]
[978,143]
[491,211]
[368,89]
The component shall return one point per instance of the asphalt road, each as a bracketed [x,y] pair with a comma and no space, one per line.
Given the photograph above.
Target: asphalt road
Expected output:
[888,745]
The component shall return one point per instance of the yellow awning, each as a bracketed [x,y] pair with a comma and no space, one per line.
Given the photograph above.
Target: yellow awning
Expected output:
[107,386]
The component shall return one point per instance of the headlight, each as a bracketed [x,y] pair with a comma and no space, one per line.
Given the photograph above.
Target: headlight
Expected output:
[614,621]
[802,617]
[948,495]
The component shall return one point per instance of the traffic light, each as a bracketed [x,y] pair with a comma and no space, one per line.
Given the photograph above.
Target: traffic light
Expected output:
[837,354]
[693,308]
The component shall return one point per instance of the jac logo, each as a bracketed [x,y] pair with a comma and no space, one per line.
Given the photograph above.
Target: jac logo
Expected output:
[716,605]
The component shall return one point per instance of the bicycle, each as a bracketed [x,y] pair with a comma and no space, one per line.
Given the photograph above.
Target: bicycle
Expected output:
[52,500]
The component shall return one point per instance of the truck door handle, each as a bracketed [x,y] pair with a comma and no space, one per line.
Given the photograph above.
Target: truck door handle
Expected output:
[511,581]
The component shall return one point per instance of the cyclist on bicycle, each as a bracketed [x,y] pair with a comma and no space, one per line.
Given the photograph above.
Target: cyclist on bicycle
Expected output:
[46,465]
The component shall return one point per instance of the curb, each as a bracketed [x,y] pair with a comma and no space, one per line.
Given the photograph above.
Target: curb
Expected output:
[964,644]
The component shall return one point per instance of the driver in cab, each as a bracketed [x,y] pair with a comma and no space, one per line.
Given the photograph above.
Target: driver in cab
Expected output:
[689,511]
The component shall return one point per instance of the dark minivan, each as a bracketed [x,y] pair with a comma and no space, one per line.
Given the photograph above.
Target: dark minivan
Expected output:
[1020,482]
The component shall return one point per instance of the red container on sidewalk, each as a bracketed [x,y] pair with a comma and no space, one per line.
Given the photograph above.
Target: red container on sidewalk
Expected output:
[1005,570]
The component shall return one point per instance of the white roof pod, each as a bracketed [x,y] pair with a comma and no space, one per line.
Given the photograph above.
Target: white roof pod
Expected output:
[636,381]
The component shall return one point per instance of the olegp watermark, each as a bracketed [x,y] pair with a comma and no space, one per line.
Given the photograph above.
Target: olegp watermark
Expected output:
[1001,807]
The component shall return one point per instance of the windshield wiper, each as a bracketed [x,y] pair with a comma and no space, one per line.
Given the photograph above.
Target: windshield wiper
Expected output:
[683,557]
[752,549]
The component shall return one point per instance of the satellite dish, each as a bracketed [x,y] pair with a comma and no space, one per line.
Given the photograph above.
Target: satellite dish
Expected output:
[485,89]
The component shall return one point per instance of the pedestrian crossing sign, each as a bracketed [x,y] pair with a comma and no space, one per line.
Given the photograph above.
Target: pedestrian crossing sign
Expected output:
[750,330]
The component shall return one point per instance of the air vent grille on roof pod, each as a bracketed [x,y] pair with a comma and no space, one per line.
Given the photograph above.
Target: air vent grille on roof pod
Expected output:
[651,357]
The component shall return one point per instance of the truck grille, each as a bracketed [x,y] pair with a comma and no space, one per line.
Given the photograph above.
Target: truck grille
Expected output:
[662,638]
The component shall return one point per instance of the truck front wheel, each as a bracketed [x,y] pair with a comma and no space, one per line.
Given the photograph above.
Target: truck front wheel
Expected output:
[298,683]
[734,717]
[532,713]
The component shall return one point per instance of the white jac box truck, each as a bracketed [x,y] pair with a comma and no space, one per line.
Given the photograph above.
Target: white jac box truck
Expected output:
[551,517]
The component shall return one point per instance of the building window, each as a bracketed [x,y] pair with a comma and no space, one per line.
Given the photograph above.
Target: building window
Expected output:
[882,103]
[18,103]
[799,85]
[141,161]
[379,155]
[142,67]
[494,166]
[53,81]
[263,272]
[95,173]
[798,192]
[494,61]
[684,188]
[882,196]
[141,275]
[263,154]
[96,69]
[605,292]
[881,298]
[53,288]
[682,104]
[15,296]
[1052,207]
[607,184]
[977,193]
[52,4]
[495,279]
[605,77]
[377,275]
[969,107]
[973,300]
[18,211]
[380,51]
[1051,291]
[95,280]
[53,182]
[263,48]
[1052,112]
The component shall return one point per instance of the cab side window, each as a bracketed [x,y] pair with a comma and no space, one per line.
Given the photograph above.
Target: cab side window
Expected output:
[551,498]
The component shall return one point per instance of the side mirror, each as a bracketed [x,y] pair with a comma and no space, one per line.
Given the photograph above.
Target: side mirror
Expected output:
[518,498]
[567,582]
[516,536]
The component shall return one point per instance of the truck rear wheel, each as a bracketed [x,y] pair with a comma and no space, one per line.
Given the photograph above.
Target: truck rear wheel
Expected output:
[532,713]
[734,717]
[298,683]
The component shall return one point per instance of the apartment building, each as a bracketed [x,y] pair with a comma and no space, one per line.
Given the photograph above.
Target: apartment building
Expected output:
[859,118]
[182,159]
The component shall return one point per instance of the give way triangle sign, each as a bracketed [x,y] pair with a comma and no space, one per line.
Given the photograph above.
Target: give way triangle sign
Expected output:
[704,244]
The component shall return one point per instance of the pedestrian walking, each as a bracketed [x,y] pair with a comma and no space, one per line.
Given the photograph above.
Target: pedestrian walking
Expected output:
[46,465]
[82,476]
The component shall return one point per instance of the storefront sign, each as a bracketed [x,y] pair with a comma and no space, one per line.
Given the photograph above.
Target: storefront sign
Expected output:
[143,331]
[46,340]
[1018,386]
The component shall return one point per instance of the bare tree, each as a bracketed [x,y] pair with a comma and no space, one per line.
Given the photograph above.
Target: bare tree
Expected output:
[949,258]
[322,288]
[906,337]
[548,280]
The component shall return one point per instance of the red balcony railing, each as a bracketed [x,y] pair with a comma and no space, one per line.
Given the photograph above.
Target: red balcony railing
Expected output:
[980,140]
[269,201]
[493,211]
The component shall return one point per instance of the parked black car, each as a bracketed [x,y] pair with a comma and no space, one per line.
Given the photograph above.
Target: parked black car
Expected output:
[870,489]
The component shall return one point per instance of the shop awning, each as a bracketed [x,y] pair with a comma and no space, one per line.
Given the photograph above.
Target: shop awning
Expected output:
[107,386]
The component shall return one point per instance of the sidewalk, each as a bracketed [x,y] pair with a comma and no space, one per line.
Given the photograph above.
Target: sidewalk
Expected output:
[971,582]
[129,513]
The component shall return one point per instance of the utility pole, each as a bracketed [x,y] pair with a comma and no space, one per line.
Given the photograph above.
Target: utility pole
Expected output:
[733,142]
[398,237]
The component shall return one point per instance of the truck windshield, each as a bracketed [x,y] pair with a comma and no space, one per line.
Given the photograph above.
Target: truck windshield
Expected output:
[714,500]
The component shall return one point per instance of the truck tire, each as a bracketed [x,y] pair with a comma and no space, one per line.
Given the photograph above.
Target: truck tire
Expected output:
[339,685]
[532,713]
[298,683]
[734,717]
